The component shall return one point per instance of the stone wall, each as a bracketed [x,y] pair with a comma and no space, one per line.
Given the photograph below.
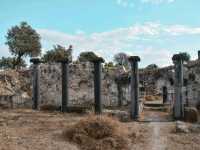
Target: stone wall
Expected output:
[15,86]
[154,80]
[15,89]
[193,82]
[81,85]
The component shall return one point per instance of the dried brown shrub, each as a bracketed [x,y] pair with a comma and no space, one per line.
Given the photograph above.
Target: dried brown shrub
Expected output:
[97,133]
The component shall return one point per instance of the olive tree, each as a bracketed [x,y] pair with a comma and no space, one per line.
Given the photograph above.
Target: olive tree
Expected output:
[23,41]
[8,63]
[58,53]
[87,56]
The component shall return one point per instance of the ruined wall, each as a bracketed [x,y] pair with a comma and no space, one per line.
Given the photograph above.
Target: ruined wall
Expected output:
[154,80]
[15,86]
[193,82]
[81,85]
[15,89]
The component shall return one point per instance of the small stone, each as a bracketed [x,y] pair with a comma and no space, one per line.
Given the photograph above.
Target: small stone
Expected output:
[181,127]
[123,116]
[195,128]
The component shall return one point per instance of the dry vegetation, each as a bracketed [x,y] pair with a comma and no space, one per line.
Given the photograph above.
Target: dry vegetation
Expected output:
[28,130]
[98,133]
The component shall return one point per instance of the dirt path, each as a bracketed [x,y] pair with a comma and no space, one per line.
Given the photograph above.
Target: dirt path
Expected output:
[159,122]
[158,140]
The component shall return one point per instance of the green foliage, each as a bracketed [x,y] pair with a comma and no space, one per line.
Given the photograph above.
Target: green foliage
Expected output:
[8,63]
[58,53]
[23,40]
[185,56]
[121,59]
[152,66]
[87,56]
[109,65]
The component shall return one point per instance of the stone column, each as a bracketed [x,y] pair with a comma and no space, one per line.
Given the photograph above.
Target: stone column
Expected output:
[97,84]
[178,105]
[165,95]
[120,94]
[134,87]
[35,82]
[65,77]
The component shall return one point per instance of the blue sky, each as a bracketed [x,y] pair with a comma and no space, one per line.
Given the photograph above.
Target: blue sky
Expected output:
[152,29]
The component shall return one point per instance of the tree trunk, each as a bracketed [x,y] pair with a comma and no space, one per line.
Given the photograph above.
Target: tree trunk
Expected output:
[17,61]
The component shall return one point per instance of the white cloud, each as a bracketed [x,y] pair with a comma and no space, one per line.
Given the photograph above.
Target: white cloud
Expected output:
[4,51]
[126,3]
[131,3]
[151,55]
[180,30]
[157,1]
[139,39]
[153,42]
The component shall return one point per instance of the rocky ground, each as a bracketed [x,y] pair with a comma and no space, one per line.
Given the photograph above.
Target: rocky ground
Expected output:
[27,130]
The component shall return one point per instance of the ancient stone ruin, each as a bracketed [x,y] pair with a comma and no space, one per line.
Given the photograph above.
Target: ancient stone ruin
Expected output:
[117,86]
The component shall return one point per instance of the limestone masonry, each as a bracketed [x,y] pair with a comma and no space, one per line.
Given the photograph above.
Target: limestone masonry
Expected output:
[15,86]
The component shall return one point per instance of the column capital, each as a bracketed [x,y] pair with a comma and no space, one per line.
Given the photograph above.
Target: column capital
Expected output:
[180,57]
[134,58]
[176,57]
[35,60]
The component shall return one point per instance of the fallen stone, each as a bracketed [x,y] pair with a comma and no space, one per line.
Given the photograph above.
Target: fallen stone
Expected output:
[181,127]
[123,116]
[195,128]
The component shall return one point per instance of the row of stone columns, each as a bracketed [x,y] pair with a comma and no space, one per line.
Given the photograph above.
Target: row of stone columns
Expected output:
[134,109]
[65,76]
[97,85]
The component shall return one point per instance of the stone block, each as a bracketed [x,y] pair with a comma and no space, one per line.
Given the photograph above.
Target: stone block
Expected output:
[191,114]
[182,127]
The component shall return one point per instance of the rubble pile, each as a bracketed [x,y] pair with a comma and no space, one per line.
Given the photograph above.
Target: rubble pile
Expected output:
[15,88]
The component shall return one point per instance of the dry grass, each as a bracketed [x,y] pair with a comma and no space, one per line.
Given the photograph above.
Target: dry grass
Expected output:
[25,129]
[97,133]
